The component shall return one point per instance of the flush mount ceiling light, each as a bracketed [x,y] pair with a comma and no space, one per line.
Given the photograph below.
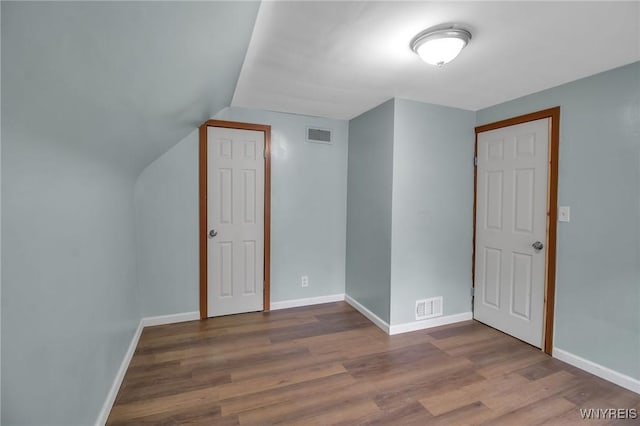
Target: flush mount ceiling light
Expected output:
[437,46]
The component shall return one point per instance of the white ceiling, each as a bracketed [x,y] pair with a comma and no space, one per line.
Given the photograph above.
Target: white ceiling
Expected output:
[339,59]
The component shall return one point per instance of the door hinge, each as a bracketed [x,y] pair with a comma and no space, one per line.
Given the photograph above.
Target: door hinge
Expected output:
[475,161]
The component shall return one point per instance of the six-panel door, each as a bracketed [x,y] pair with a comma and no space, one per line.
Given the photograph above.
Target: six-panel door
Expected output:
[511,219]
[235,216]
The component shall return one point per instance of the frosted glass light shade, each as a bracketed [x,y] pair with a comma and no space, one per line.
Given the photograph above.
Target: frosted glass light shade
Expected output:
[438,47]
[441,50]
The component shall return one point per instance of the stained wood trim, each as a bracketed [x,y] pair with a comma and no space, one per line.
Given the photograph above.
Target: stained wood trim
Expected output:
[204,309]
[202,177]
[238,125]
[475,206]
[267,219]
[538,115]
[553,114]
[554,156]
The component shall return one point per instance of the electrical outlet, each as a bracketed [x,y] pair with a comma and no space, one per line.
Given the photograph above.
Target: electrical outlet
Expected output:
[304,281]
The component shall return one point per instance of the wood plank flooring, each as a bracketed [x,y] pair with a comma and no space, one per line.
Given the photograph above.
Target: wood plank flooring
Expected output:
[327,364]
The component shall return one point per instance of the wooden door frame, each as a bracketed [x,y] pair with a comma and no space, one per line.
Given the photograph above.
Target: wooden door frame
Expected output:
[553,114]
[204,227]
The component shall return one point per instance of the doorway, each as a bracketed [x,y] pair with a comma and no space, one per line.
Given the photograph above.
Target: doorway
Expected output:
[515,218]
[235,186]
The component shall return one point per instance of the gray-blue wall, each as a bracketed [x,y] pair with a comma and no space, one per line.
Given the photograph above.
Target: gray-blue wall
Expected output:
[70,297]
[597,314]
[0,226]
[166,200]
[93,92]
[368,257]
[432,208]
[308,215]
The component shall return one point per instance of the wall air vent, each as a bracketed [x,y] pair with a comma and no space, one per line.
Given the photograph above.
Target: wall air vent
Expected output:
[428,308]
[316,135]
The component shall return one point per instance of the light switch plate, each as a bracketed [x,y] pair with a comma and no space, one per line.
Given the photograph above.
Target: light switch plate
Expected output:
[564,214]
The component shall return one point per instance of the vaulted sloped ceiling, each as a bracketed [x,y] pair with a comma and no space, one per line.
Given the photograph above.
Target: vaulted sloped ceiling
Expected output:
[125,81]
[120,81]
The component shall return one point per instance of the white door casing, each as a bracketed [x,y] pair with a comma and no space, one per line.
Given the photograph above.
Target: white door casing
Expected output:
[511,216]
[235,214]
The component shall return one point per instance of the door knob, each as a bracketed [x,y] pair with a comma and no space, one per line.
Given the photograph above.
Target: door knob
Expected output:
[213,233]
[537,246]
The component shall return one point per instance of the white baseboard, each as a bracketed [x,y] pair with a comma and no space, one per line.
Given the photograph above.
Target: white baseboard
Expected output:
[170,319]
[285,304]
[117,381]
[367,313]
[605,373]
[428,323]
[115,386]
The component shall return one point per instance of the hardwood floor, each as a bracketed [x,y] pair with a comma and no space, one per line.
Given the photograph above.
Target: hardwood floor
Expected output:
[327,364]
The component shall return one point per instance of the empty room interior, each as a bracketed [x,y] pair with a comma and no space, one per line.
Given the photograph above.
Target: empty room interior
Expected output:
[319,213]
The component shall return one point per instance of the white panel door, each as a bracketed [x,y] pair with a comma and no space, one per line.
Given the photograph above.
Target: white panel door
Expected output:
[235,216]
[511,221]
